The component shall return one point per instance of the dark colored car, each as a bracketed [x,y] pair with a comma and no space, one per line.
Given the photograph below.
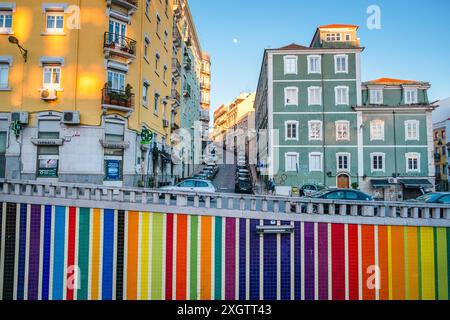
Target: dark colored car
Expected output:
[435,197]
[339,194]
[243,186]
[309,189]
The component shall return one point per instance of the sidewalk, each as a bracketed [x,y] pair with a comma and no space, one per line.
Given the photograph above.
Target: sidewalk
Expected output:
[259,185]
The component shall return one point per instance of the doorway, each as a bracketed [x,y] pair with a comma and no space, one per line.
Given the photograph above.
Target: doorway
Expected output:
[343,181]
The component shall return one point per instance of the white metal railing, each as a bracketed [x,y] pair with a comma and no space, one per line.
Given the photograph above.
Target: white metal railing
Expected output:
[404,213]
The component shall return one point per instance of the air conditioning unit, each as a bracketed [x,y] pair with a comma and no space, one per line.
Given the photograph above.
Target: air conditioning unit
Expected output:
[48,94]
[22,117]
[393,181]
[71,117]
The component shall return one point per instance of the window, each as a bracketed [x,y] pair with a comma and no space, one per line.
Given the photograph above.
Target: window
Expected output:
[117,31]
[145,93]
[343,162]
[4,75]
[48,156]
[116,80]
[412,162]
[314,64]
[377,162]
[52,76]
[156,102]
[376,96]
[315,130]
[6,21]
[147,6]
[342,130]
[410,96]
[376,130]
[412,130]
[146,47]
[333,37]
[290,65]
[341,95]
[158,24]
[347,37]
[157,56]
[314,96]
[166,35]
[55,22]
[291,96]
[315,161]
[165,72]
[291,159]
[113,158]
[291,130]
[341,64]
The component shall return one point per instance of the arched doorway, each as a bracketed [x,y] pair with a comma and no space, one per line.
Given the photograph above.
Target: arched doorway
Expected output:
[343,181]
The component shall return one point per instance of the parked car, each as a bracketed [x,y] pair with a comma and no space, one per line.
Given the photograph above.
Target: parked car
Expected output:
[435,197]
[243,176]
[339,194]
[242,167]
[201,176]
[213,167]
[210,173]
[308,189]
[192,185]
[243,186]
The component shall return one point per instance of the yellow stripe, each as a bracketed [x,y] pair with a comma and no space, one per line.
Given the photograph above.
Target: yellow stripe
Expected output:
[427,263]
[144,254]
[389,236]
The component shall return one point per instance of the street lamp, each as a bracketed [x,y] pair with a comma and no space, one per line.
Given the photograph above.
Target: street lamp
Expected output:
[23,51]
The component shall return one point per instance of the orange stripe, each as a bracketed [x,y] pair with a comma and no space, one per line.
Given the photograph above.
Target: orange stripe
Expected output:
[368,260]
[95,253]
[383,262]
[181,256]
[398,263]
[205,285]
[413,263]
[132,253]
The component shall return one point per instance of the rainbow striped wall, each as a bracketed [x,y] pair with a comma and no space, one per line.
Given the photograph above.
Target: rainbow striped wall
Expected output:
[143,255]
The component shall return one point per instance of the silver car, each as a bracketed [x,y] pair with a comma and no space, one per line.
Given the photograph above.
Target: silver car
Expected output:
[192,185]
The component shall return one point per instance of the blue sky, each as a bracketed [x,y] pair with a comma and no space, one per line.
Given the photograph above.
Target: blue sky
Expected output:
[413,42]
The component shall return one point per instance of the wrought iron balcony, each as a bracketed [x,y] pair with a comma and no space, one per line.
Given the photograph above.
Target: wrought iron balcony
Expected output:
[176,68]
[176,36]
[119,100]
[176,96]
[187,91]
[115,44]
[341,44]
[177,13]
[187,64]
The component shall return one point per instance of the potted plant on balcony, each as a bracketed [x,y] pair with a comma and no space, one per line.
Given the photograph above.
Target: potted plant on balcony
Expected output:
[128,95]
[107,93]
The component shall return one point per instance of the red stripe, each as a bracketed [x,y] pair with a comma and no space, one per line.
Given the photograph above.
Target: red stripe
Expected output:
[169,256]
[353,271]
[338,261]
[71,251]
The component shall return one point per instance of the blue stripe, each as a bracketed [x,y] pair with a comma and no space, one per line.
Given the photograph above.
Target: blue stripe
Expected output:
[22,250]
[58,253]
[270,265]
[242,257]
[254,261]
[46,257]
[285,275]
[297,261]
[108,253]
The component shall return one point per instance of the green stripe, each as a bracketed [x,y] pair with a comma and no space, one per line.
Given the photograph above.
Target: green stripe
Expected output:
[194,254]
[83,252]
[405,240]
[157,256]
[419,262]
[448,262]
[218,259]
[442,266]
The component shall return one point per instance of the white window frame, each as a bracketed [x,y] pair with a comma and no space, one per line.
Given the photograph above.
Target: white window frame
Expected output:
[51,85]
[310,91]
[291,154]
[339,56]
[145,87]
[347,125]
[409,156]
[310,125]
[346,97]
[376,96]
[315,154]
[407,97]
[286,71]
[294,103]
[286,131]
[383,161]
[54,29]
[318,66]
[3,29]
[415,123]
[5,66]
[343,154]
[373,137]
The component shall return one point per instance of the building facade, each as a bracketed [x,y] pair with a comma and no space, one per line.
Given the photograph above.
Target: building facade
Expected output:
[97,75]
[441,154]
[317,117]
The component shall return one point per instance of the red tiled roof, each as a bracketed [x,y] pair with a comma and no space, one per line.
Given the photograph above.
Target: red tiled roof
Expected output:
[336,26]
[391,81]
[293,46]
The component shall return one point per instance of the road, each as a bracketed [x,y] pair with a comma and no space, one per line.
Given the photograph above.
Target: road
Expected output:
[225,179]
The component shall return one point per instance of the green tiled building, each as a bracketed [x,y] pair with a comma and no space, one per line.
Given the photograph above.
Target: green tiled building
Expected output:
[330,128]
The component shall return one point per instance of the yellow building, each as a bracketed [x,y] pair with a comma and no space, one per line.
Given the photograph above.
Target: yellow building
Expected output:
[96,74]
[441,148]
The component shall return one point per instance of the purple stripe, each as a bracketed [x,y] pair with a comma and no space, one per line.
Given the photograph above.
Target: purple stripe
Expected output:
[230,259]
[33,267]
[270,265]
[254,261]
[323,260]
[285,276]
[297,261]
[309,261]
[242,258]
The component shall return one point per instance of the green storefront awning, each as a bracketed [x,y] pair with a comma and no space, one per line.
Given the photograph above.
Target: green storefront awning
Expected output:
[416,183]
[381,183]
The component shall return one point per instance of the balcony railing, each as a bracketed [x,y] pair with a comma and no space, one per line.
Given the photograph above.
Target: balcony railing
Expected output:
[187,63]
[176,36]
[176,96]
[437,157]
[115,44]
[341,44]
[187,91]
[121,100]
[205,86]
[176,68]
